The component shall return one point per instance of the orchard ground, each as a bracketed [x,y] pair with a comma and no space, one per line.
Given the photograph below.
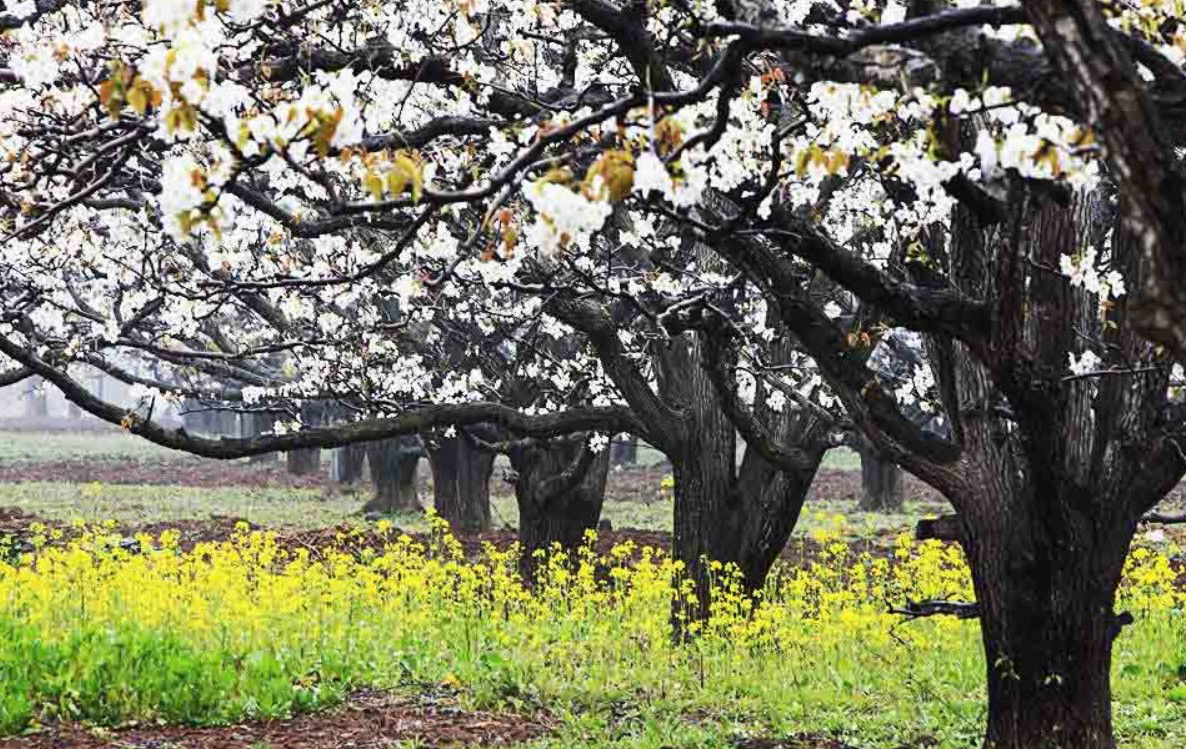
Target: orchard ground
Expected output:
[853,676]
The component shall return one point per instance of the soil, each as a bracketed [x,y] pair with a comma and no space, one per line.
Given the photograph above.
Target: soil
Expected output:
[366,720]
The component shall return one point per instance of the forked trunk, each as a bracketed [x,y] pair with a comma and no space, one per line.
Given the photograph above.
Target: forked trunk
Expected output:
[461,483]
[1048,623]
[744,520]
[552,514]
[393,473]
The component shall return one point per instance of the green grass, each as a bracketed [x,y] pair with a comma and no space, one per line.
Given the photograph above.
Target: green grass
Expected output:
[297,508]
[113,444]
[38,447]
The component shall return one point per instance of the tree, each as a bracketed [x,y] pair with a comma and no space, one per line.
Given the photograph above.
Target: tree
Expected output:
[461,471]
[678,189]
[559,489]
[881,482]
[393,463]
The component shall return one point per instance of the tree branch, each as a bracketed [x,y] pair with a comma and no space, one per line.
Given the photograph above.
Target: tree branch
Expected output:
[13,376]
[604,419]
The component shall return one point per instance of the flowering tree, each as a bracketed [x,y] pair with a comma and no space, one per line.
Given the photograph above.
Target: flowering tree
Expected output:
[306,198]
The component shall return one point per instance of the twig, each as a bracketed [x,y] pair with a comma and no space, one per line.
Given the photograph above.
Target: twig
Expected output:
[920,609]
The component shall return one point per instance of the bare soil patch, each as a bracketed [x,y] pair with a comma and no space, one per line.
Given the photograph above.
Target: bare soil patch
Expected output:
[172,472]
[368,719]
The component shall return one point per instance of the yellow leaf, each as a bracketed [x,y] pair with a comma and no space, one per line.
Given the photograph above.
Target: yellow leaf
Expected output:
[373,184]
[801,161]
[410,168]
[396,182]
[613,173]
[668,135]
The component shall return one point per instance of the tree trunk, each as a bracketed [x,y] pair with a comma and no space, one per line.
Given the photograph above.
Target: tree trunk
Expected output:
[553,510]
[624,450]
[36,399]
[255,424]
[306,460]
[393,472]
[740,515]
[743,520]
[881,483]
[303,461]
[347,463]
[1047,623]
[461,483]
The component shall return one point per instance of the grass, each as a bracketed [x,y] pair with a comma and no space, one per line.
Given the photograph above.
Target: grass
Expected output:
[298,508]
[247,628]
[113,444]
[18,447]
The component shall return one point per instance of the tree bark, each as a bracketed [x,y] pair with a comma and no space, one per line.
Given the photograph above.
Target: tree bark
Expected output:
[393,465]
[461,483]
[560,490]
[1047,623]
[881,483]
[347,463]
[740,515]
[306,460]
[1049,488]
[255,424]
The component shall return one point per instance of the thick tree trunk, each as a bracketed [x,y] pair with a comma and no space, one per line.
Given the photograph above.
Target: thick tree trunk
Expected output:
[347,463]
[1047,622]
[740,515]
[461,483]
[553,511]
[743,520]
[304,461]
[881,483]
[393,472]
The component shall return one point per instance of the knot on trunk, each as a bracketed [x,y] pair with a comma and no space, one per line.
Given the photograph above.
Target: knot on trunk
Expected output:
[1119,622]
[943,528]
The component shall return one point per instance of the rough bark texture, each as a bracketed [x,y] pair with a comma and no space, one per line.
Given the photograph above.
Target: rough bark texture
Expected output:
[881,483]
[1095,65]
[559,488]
[734,514]
[1047,624]
[461,482]
[1052,481]
[393,465]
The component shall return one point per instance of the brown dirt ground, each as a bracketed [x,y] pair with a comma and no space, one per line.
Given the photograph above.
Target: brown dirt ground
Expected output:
[366,720]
